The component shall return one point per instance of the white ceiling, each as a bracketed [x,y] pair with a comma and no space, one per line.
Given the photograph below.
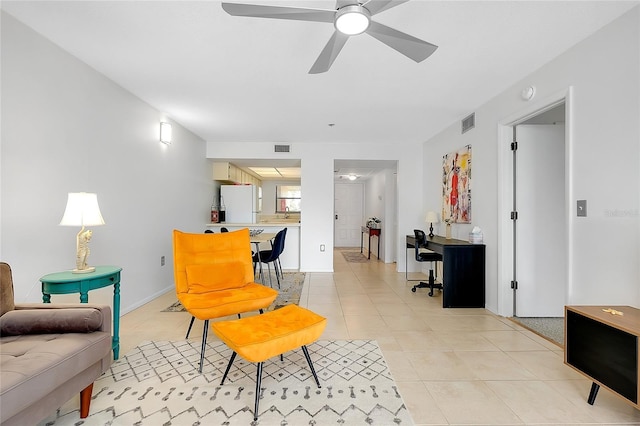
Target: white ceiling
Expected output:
[234,79]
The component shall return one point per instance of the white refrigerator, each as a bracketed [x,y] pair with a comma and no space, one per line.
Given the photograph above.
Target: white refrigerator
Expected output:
[240,203]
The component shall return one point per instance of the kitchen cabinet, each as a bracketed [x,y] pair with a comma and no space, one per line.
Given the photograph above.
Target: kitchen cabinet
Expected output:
[227,172]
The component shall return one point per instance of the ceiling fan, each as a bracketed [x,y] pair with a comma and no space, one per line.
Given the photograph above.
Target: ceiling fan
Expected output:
[350,17]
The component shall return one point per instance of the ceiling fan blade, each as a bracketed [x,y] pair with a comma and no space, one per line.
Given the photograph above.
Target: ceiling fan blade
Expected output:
[277,12]
[409,46]
[329,53]
[377,6]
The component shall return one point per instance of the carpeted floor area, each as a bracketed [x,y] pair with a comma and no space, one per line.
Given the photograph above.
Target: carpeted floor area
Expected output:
[158,383]
[549,328]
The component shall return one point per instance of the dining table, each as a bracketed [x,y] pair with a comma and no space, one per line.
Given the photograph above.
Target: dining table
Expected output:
[262,237]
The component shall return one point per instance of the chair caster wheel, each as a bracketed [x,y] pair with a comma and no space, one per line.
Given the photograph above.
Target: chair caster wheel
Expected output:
[413,289]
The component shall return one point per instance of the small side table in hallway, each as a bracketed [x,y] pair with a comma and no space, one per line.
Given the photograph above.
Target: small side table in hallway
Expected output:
[371,232]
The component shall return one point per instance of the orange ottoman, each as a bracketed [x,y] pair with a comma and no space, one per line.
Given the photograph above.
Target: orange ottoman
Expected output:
[261,337]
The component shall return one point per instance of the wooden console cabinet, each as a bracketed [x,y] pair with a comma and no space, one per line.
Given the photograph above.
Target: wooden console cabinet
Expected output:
[604,348]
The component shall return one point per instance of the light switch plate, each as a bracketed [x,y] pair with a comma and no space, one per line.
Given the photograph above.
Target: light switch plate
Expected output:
[582,208]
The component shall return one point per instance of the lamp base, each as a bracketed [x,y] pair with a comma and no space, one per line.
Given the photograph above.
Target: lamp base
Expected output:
[431,231]
[84,271]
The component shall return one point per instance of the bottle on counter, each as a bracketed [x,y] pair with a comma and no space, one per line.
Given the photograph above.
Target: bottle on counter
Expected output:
[215,213]
[222,212]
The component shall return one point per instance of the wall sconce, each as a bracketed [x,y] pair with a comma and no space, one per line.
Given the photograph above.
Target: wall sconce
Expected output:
[165,133]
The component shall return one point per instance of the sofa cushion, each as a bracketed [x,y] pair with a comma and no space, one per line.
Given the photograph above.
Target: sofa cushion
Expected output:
[6,289]
[47,321]
[32,366]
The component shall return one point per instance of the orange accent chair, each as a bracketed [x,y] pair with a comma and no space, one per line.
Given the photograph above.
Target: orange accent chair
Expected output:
[214,277]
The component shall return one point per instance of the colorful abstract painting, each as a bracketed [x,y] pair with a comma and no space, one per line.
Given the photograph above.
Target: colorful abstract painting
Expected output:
[456,186]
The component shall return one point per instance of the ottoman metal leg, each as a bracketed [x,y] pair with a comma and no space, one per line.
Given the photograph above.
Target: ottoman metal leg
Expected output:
[306,355]
[258,382]
[233,356]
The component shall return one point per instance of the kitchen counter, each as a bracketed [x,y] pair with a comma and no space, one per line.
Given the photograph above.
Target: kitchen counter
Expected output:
[258,225]
[290,257]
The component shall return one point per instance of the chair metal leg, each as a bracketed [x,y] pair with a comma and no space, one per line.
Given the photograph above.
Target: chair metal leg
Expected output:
[204,344]
[233,357]
[269,268]
[258,383]
[278,273]
[306,355]
[190,325]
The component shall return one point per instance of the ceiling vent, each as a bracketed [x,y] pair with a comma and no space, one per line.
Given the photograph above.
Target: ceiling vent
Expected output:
[282,148]
[469,122]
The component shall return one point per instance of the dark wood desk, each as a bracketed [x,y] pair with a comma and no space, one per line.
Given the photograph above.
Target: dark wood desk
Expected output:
[372,232]
[463,271]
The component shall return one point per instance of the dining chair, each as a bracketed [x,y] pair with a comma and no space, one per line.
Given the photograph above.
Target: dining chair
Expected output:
[272,256]
[424,255]
[214,277]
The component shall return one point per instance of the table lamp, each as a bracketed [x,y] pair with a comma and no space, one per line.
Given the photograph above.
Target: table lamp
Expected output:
[432,217]
[82,210]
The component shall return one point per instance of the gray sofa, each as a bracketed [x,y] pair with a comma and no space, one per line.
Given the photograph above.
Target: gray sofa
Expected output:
[48,354]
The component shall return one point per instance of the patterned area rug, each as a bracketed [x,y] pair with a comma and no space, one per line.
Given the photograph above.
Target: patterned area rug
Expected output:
[288,293]
[158,384]
[354,256]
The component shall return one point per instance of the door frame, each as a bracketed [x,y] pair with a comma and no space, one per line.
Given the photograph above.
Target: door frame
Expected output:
[505,193]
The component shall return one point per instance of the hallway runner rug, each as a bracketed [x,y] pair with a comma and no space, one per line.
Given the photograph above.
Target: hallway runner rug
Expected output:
[158,383]
[354,256]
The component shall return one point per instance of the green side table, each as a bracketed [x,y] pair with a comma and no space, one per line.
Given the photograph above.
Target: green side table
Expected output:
[67,282]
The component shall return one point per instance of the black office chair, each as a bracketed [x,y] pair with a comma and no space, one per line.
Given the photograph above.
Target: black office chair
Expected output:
[272,256]
[426,256]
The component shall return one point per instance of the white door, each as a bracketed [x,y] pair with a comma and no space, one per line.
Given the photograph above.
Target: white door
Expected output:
[541,228]
[349,208]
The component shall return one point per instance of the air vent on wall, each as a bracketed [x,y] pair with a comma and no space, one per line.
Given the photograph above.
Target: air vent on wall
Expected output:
[469,122]
[282,148]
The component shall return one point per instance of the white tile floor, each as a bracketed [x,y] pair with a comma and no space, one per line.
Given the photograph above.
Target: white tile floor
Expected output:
[453,366]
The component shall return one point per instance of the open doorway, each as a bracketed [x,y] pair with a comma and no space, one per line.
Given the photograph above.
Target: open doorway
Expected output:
[365,189]
[533,260]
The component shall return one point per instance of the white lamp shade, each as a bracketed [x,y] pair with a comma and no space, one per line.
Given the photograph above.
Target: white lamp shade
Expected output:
[82,210]
[432,217]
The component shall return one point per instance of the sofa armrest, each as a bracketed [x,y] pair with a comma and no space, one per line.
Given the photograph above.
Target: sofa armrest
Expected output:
[32,318]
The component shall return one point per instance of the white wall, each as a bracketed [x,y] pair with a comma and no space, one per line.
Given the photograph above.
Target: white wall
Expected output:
[317,161]
[66,128]
[602,165]
[380,202]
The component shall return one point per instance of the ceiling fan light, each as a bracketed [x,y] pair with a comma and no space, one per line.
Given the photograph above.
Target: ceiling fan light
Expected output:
[352,20]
